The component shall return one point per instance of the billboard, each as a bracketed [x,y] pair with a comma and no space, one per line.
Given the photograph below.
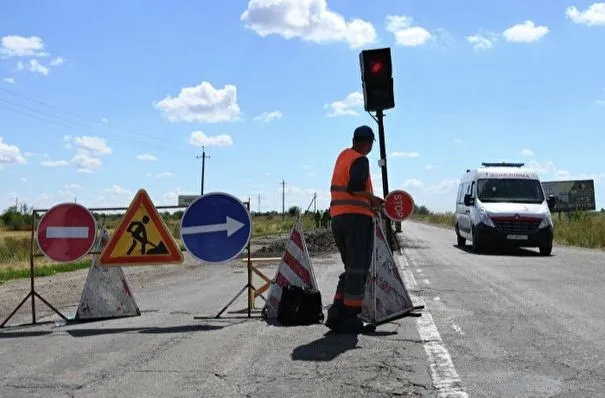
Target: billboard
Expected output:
[575,195]
[185,200]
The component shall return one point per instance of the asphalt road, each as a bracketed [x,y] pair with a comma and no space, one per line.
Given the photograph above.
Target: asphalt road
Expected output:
[167,353]
[514,324]
[501,325]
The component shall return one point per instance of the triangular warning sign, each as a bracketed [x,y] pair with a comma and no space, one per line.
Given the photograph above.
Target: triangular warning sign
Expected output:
[295,268]
[386,296]
[142,238]
[106,292]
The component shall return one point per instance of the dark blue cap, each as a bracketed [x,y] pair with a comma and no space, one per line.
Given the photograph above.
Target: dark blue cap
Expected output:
[364,133]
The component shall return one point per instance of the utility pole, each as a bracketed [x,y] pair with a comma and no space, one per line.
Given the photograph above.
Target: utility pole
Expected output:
[259,203]
[203,157]
[283,199]
[315,202]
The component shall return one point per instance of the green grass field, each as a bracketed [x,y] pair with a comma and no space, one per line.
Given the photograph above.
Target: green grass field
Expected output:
[15,246]
[579,229]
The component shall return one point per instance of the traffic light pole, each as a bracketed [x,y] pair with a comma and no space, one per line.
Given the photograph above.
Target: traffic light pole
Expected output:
[383,166]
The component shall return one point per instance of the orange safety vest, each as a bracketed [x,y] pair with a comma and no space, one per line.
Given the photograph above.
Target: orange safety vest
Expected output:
[342,201]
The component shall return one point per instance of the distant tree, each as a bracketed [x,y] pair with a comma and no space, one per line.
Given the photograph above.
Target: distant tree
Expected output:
[294,211]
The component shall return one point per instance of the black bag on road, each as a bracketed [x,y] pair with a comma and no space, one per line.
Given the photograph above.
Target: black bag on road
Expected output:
[300,306]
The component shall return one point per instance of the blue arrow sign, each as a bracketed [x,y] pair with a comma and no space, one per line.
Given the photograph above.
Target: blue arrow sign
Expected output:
[216,227]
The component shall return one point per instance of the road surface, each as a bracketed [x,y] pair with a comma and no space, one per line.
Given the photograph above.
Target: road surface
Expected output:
[501,325]
[166,353]
[514,324]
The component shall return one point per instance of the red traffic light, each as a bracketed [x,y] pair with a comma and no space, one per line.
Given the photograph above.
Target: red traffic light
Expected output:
[376,67]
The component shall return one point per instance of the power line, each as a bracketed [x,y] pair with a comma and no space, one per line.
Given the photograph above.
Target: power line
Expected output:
[49,117]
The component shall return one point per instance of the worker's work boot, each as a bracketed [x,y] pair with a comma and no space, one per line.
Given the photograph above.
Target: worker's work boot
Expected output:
[351,323]
[334,316]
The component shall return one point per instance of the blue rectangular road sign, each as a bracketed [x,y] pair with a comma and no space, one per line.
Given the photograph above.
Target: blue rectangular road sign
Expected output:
[216,228]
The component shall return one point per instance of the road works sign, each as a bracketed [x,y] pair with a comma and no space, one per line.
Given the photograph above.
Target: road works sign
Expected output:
[576,195]
[142,238]
[216,227]
[398,205]
[66,232]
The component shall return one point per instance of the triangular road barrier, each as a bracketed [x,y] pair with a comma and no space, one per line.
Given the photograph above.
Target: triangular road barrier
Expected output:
[106,292]
[295,268]
[386,297]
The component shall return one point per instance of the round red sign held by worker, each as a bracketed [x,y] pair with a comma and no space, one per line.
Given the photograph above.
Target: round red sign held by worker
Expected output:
[66,232]
[398,205]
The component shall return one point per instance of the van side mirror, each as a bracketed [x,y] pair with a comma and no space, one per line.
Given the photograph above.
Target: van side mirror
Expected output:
[551,201]
[468,200]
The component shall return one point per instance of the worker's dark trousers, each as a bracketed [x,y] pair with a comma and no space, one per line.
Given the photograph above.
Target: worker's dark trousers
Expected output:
[353,234]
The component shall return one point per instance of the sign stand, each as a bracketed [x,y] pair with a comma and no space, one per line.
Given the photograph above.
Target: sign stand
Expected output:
[235,232]
[32,292]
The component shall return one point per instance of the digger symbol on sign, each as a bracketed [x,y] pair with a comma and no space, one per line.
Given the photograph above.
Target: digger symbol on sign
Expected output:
[139,235]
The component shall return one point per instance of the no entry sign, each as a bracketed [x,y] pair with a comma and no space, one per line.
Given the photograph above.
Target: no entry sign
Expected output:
[66,232]
[398,205]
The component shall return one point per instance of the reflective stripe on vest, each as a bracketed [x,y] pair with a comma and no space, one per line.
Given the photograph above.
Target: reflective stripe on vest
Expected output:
[341,200]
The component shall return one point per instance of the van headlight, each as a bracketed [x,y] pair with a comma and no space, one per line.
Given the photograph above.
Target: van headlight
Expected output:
[485,218]
[546,222]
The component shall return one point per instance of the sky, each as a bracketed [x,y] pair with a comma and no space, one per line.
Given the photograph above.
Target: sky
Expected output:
[100,100]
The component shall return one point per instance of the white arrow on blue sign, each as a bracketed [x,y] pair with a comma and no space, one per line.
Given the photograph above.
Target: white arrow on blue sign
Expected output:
[216,227]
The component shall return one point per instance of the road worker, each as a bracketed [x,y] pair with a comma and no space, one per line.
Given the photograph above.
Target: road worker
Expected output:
[352,208]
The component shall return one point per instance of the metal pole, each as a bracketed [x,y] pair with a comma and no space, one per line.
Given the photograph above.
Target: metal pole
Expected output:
[203,157]
[385,179]
[283,199]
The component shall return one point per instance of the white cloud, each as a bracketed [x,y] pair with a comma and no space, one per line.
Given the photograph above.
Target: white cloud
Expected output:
[10,154]
[413,183]
[309,20]
[482,41]
[85,162]
[202,103]
[444,186]
[165,174]
[431,166]
[526,152]
[117,191]
[349,106]
[54,163]
[104,120]
[594,15]
[33,66]
[405,154]
[459,141]
[93,144]
[172,197]
[21,46]
[198,138]
[525,32]
[57,61]
[600,102]
[10,80]
[23,179]
[146,157]
[406,34]
[269,116]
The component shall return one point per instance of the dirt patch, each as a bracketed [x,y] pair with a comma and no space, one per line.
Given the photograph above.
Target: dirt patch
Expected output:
[318,241]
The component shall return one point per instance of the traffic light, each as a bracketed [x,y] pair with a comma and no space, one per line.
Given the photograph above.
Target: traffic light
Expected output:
[377,79]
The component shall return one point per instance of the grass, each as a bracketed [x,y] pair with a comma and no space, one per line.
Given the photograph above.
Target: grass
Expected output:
[584,229]
[15,246]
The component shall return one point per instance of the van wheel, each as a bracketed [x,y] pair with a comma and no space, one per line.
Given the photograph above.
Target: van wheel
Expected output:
[546,249]
[459,239]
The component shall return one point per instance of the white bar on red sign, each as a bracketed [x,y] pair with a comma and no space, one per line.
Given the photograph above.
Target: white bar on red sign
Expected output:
[67,232]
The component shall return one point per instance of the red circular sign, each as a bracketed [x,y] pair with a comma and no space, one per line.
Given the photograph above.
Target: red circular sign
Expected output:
[66,232]
[398,205]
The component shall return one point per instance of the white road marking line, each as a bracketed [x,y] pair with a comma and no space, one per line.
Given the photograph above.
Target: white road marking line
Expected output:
[427,282]
[419,270]
[443,373]
[67,232]
[437,298]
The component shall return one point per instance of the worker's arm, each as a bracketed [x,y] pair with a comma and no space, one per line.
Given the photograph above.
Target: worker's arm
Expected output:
[358,174]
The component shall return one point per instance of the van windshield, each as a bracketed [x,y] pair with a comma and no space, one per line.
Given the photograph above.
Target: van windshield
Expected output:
[515,190]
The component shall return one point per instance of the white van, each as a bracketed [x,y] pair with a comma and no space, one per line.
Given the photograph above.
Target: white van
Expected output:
[503,204]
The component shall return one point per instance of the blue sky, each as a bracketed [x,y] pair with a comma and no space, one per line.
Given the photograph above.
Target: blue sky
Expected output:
[97,101]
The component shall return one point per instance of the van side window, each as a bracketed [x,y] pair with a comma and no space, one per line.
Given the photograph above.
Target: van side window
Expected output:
[460,195]
[472,190]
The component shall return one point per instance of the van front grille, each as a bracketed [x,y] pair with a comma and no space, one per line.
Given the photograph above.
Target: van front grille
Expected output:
[524,227]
